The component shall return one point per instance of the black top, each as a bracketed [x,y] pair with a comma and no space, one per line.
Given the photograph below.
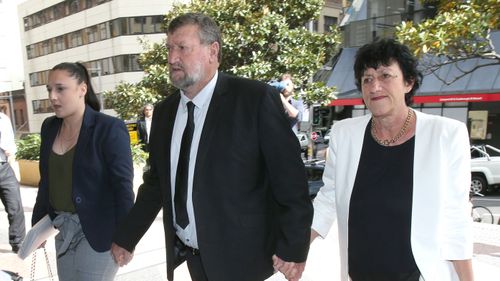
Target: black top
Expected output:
[380,212]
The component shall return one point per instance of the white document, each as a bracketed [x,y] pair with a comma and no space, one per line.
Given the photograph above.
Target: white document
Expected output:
[38,234]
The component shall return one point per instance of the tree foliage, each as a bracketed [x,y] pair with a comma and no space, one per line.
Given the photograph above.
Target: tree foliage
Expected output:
[262,39]
[460,30]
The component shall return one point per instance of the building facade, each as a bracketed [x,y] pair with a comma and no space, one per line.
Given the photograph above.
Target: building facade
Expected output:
[103,34]
[12,101]
[473,99]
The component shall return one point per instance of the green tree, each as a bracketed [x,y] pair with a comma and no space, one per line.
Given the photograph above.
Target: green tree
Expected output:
[460,31]
[261,40]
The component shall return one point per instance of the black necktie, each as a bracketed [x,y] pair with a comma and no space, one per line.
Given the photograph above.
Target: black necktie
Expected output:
[181,177]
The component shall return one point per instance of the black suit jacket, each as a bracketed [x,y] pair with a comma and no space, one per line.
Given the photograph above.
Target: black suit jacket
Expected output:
[102,183]
[250,191]
[142,133]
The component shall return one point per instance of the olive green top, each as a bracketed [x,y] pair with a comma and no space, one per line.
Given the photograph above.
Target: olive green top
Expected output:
[60,178]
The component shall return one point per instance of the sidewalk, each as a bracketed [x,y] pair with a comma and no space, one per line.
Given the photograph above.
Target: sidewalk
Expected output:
[149,260]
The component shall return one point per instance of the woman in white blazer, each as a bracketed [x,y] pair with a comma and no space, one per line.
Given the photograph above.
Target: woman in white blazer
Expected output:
[397,180]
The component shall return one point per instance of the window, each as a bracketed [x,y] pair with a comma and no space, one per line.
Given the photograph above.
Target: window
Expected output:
[74,6]
[29,52]
[93,34]
[157,21]
[27,23]
[148,26]
[46,48]
[76,39]
[103,31]
[136,24]
[59,44]
[329,21]
[59,11]
[106,66]
[42,106]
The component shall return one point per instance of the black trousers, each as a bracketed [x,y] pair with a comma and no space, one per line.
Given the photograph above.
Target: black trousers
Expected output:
[378,276]
[10,195]
[195,266]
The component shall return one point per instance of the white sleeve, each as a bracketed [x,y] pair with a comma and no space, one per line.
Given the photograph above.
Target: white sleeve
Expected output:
[324,203]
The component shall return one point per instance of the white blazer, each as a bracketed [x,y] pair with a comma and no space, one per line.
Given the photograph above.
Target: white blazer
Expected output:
[441,225]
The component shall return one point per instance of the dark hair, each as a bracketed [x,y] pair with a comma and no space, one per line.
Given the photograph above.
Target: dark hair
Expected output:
[385,52]
[209,30]
[79,71]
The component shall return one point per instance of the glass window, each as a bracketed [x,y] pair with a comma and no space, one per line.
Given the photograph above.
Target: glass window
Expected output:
[148,26]
[93,34]
[106,66]
[59,45]
[89,4]
[33,80]
[94,68]
[74,6]
[29,51]
[42,106]
[36,20]
[27,23]
[134,63]
[59,11]
[103,31]
[315,25]
[46,48]
[76,39]
[329,21]
[115,28]
[157,22]
[118,64]
[136,24]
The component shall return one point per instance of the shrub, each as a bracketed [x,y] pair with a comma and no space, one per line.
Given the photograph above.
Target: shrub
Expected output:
[28,147]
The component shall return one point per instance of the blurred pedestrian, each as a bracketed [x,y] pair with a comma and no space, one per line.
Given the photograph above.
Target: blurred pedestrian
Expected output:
[10,193]
[86,176]
[294,108]
[144,126]
[236,200]
[397,180]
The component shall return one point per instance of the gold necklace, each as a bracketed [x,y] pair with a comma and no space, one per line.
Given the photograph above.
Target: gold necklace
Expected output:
[401,132]
[69,141]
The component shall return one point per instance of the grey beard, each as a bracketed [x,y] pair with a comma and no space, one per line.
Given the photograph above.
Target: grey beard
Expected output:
[184,83]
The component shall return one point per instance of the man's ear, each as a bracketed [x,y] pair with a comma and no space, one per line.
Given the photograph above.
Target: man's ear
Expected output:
[214,51]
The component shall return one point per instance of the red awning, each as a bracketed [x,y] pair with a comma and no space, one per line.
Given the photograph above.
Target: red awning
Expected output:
[485,97]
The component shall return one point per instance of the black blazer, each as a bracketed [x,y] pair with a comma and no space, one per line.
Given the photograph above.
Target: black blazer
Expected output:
[250,191]
[142,134]
[102,188]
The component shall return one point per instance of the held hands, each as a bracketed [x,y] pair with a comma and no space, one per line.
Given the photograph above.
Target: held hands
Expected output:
[120,255]
[291,270]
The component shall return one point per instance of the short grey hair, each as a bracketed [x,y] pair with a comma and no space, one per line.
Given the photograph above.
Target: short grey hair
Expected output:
[209,30]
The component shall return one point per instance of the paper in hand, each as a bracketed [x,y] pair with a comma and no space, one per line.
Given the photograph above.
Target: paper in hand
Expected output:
[38,234]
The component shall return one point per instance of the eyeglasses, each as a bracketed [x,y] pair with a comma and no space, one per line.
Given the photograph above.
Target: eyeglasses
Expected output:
[383,78]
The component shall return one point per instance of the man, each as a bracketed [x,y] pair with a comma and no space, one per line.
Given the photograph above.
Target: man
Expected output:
[144,126]
[9,186]
[247,200]
[293,107]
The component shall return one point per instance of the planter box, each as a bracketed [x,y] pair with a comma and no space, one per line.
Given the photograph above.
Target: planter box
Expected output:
[28,172]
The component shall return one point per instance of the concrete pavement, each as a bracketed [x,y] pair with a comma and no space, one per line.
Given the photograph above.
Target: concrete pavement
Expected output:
[149,260]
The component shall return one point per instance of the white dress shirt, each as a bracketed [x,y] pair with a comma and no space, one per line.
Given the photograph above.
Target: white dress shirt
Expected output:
[7,142]
[148,127]
[201,102]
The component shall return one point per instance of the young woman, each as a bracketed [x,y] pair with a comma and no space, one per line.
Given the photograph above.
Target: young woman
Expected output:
[86,176]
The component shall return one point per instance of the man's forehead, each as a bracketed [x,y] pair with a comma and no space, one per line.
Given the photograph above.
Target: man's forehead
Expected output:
[186,32]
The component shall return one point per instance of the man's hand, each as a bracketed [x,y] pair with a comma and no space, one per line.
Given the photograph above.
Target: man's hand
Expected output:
[122,256]
[291,270]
